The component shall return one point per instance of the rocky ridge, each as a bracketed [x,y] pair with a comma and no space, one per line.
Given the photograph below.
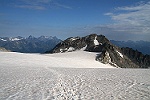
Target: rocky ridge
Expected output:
[142,46]
[108,52]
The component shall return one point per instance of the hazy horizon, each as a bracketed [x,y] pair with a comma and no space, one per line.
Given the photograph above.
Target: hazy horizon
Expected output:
[118,20]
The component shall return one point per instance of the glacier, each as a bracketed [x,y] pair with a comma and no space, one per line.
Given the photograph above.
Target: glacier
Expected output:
[72,76]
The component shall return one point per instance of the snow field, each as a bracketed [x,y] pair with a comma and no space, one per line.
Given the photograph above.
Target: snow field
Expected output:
[78,59]
[68,76]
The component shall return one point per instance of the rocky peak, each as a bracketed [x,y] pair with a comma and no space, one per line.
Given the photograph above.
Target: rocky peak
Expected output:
[108,53]
[90,43]
[31,37]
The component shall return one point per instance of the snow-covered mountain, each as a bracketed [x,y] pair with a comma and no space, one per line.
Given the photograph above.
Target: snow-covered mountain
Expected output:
[30,44]
[108,52]
[11,38]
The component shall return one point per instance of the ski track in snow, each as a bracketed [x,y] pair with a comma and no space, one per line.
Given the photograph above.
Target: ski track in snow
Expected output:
[44,82]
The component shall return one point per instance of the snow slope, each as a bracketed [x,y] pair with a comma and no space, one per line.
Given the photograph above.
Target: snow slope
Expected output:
[78,59]
[71,76]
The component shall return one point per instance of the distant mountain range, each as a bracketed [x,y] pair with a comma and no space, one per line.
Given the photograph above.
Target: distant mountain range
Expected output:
[108,53]
[30,44]
[41,44]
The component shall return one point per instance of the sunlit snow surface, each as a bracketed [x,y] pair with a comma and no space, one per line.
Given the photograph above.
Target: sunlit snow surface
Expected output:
[68,76]
[119,54]
[95,41]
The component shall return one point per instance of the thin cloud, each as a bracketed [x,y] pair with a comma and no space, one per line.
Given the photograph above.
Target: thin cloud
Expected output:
[31,7]
[62,6]
[40,4]
[34,4]
[36,1]
[133,19]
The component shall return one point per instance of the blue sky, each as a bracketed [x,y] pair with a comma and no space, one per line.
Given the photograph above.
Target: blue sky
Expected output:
[116,19]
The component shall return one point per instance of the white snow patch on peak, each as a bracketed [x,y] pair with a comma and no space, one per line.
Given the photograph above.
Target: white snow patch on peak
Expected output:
[71,49]
[15,39]
[120,54]
[83,48]
[72,39]
[67,50]
[101,43]
[3,40]
[62,50]
[95,41]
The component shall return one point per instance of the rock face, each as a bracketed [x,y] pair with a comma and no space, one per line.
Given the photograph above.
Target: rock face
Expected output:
[108,53]
[137,57]
[142,46]
[92,43]
[4,50]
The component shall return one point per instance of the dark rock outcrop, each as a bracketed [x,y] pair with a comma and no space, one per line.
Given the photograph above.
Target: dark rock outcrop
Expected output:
[108,53]
[85,43]
[137,57]
[4,50]
[142,46]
